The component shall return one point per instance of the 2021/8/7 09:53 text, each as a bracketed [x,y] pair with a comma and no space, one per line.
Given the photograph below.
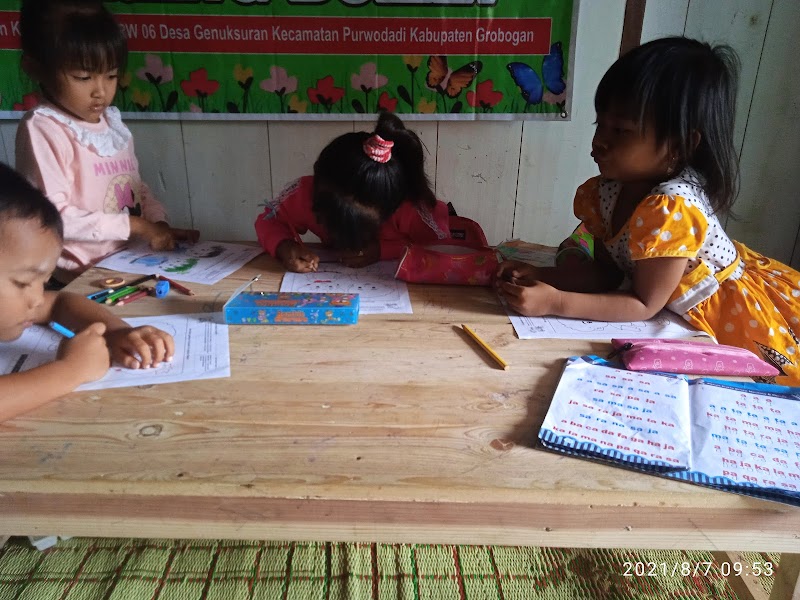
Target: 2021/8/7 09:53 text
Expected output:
[693,569]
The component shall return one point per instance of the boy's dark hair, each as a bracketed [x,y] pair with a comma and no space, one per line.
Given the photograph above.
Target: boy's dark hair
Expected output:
[354,194]
[71,34]
[681,87]
[20,200]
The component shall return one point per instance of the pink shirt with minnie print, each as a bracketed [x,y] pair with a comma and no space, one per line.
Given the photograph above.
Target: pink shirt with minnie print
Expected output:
[90,172]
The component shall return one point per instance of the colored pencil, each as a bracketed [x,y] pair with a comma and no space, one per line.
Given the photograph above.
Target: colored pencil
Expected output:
[132,298]
[59,328]
[124,298]
[486,347]
[181,288]
[128,289]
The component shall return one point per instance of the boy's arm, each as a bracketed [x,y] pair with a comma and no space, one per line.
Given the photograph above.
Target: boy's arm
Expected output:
[76,312]
[22,392]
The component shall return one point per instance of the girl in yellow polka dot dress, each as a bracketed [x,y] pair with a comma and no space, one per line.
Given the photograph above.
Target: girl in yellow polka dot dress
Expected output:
[664,147]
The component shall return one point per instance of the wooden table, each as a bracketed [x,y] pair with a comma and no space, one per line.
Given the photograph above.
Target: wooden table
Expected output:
[397,429]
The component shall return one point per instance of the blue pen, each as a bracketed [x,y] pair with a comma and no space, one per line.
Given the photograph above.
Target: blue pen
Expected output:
[58,328]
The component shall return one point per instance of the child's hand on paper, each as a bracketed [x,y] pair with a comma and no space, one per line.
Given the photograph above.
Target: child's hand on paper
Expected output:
[190,236]
[140,347]
[296,257]
[534,300]
[517,272]
[86,353]
[361,258]
[157,235]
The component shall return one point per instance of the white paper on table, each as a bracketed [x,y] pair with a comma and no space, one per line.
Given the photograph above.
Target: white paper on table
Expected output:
[664,325]
[201,352]
[749,437]
[620,413]
[203,262]
[379,292]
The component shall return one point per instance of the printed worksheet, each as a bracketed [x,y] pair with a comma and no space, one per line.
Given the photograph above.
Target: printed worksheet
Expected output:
[203,262]
[664,325]
[201,352]
[379,292]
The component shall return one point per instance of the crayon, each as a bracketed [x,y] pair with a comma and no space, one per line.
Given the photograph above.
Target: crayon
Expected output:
[486,347]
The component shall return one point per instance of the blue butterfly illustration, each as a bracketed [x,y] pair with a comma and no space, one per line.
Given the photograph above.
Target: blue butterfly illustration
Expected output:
[528,80]
[553,69]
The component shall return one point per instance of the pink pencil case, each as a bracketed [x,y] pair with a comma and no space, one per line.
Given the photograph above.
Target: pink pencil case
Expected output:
[449,261]
[691,358]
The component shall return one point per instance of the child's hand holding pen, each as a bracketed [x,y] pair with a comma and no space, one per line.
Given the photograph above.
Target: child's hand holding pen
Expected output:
[516,272]
[86,353]
[296,256]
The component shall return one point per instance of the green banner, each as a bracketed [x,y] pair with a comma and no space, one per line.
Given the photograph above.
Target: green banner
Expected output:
[330,59]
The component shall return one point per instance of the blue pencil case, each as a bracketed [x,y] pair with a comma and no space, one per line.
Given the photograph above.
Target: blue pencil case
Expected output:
[290,308]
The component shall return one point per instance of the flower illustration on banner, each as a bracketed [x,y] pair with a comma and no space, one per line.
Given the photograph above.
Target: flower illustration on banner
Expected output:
[426,106]
[386,102]
[123,84]
[279,83]
[157,73]
[140,99]
[244,77]
[366,80]
[484,96]
[412,64]
[296,105]
[28,101]
[326,93]
[199,86]
[154,70]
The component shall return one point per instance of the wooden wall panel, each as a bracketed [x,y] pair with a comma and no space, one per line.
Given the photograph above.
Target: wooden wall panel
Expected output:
[162,164]
[8,132]
[293,148]
[228,168]
[742,25]
[768,204]
[555,155]
[477,169]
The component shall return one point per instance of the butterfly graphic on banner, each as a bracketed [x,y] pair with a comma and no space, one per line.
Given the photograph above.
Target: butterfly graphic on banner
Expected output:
[550,87]
[451,83]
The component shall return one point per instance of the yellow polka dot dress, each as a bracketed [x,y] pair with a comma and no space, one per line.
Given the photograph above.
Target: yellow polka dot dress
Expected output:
[733,293]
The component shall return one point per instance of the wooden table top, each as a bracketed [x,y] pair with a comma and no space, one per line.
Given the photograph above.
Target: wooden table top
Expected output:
[397,429]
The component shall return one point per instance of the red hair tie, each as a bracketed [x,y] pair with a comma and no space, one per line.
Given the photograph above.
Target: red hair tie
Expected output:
[378,149]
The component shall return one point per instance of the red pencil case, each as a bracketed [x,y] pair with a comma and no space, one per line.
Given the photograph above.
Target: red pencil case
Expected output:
[691,358]
[450,262]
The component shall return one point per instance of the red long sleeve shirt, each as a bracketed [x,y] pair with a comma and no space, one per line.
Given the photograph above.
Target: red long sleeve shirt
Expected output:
[290,214]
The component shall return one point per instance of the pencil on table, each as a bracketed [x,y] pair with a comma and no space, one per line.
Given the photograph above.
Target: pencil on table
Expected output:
[132,297]
[486,347]
[181,288]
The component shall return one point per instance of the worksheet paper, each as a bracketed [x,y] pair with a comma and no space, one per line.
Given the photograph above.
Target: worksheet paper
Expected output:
[664,325]
[203,262]
[379,292]
[201,352]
